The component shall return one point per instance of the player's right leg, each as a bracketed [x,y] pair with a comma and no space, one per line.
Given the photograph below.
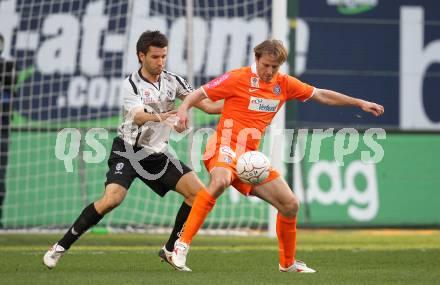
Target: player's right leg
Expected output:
[203,204]
[113,196]
[119,178]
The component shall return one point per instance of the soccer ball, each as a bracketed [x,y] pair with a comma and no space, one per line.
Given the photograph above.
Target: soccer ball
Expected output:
[253,167]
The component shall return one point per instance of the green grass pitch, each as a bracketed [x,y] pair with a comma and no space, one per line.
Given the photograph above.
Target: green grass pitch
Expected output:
[340,257]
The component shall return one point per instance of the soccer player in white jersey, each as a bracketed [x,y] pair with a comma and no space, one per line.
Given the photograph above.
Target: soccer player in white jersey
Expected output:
[140,149]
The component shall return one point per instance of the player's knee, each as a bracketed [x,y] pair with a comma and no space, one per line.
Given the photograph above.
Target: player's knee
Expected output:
[219,182]
[112,198]
[113,201]
[290,208]
[188,186]
[190,196]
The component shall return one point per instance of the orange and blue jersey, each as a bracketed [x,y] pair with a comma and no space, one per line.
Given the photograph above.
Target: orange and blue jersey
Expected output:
[250,104]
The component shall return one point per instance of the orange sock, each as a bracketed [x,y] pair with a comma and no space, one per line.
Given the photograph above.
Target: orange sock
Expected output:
[286,232]
[201,207]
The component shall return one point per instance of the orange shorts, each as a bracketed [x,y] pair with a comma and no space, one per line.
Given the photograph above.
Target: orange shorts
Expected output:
[224,156]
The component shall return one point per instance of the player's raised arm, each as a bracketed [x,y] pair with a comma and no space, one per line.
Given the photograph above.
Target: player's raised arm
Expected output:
[333,98]
[191,100]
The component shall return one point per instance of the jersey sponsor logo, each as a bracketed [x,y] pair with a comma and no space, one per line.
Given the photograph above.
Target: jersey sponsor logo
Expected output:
[217,81]
[146,96]
[148,100]
[255,82]
[228,151]
[119,167]
[263,105]
[277,90]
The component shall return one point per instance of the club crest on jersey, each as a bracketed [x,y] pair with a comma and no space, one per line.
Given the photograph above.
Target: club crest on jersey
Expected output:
[277,89]
[169,95]
[255,82]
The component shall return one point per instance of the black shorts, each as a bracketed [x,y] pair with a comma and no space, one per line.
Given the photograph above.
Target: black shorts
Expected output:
[160,172]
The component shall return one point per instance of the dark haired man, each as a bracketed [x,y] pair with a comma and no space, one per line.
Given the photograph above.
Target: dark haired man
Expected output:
[140,149]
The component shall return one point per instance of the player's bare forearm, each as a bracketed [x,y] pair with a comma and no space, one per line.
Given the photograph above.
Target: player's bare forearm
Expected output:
[210,107]
[217,107]
[140,117]
[192,99]
[333,98]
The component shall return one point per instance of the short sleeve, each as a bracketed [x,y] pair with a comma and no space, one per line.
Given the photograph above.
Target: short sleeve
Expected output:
[183,88]
[298,90]
[130,95]
[220,87]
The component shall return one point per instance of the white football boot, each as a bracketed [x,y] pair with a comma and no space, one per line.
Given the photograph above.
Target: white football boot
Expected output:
[178,257]
[165,255]
[298,266]
[53,255]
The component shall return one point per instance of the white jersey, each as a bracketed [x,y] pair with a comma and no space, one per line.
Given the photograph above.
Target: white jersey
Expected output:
[155,98]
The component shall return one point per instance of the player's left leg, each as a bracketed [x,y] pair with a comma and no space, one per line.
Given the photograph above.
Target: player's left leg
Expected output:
[279,194]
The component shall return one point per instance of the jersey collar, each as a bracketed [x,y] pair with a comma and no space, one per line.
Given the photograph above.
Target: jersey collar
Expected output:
[148,81]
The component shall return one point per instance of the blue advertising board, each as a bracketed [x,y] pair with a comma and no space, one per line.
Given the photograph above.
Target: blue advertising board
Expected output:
[383,51]
[76,53]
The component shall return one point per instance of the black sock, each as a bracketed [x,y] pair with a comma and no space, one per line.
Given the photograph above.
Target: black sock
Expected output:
[88,218]
[181,217]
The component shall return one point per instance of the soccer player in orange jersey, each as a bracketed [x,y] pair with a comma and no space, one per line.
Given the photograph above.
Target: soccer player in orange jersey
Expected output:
[252,96]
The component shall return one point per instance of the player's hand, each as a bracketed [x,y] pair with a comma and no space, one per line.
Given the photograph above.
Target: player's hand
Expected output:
[373,108]
[179,127]
[166,115]
[182,114]
[173,121]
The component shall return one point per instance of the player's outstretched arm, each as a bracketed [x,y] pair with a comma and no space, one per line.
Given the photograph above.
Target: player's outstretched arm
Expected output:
[210,107]
[333,98]
[191,100]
